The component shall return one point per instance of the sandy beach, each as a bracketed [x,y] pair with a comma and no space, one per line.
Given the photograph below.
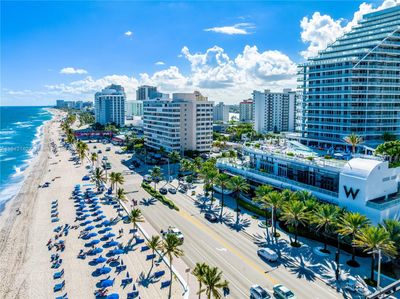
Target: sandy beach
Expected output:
[25,265]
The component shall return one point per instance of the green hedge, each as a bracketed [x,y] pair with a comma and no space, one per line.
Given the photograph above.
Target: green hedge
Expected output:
[252,208]
[157,195]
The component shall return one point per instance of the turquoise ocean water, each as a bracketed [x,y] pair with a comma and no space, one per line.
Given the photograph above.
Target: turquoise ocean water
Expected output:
[20,133]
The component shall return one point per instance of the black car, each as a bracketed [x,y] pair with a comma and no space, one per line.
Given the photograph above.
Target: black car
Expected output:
[210,217]
[99,151]
[163,191]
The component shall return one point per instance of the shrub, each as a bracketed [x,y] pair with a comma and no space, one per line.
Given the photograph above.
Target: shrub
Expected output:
[290,154]
[157,195]
[310,158]
[327,157]
[252,208]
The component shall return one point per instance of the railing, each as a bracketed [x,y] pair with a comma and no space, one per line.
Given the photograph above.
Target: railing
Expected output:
[246,171]
[383,206]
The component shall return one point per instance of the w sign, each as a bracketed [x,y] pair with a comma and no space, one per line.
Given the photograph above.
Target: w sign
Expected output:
[351,192]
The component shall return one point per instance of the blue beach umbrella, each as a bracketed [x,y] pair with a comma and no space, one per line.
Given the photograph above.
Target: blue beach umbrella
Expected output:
[117,251]
[100,260]
[109,235]
[91,235]
[104,270]
[106,283]
[113,296]
[97,250]
[102,217]
[90,227]
[107,229]
[94,242]
[112,243]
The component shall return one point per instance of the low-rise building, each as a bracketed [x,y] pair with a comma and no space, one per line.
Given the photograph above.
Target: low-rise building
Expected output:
[363,184]
[182,123]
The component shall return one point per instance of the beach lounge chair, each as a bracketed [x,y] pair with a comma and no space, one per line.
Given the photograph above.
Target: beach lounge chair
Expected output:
[59,286]
[55,220]
[59,274]
[159,274]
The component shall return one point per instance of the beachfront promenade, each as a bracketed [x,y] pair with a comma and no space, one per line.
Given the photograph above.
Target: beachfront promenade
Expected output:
[31,254]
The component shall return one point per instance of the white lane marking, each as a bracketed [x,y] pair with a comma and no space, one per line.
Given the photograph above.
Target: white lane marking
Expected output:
[221,249]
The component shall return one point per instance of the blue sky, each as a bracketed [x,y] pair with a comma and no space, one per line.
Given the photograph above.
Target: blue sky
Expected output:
[68,50]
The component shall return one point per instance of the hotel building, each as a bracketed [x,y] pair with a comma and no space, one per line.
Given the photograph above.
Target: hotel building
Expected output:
[134,108]
[109,105]
[362,184]
[246,111]
[274,111]
[182,123]
[354,84]
[147,92]
[221,112]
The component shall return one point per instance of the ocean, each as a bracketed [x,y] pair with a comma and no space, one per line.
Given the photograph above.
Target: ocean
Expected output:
[20,133]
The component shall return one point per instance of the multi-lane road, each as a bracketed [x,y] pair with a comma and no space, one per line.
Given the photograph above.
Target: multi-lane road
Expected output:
[235,253]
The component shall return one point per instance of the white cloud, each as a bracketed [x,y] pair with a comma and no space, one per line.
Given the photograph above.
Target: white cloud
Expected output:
[213,72]
[72,71]
[321,30]
[128,33]
[160,63]
[240,28]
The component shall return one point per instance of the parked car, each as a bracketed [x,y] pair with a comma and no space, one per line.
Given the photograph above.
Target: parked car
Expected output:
[163,190]
[174,231]
[210,217]
[86,178]
[131,167]
[147,178]
[107,165]
[267,254]
[172,190]
[99,152]
[258,292]
[108,149]
[105,158]
[94,146]
[282,292]
[182,189]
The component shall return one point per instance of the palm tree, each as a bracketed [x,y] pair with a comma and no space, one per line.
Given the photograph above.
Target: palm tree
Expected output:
[154,243]
[294,214]
[303,195]
[273,200]
[238,184]
[199,272]
[353,140]
[325,217]
[372,239]
[119,179]
[287,195]
[392,226]
[222,180]
[81,148]
[99,177]
[209,174]
[155,174]
[213,282]
[93,158]
[263,190]
[135,217]
[121,195]
[174,157]
[349,225]
[112,179]
[171,248]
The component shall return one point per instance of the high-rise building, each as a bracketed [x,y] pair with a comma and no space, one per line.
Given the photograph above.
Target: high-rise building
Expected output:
[221,112]
[60,104]
[146,92]
[134,108]
[274,111]
[110,105]
[246,111]
[354,84]
[179,124]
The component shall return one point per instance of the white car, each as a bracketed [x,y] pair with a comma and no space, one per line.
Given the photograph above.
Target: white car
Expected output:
[258,292]
[267,254]
[174,231]
[172,190]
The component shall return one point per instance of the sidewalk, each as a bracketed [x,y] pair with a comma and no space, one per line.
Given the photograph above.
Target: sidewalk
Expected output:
[307,261]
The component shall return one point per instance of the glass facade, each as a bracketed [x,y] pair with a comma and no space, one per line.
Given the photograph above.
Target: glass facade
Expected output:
[354,84]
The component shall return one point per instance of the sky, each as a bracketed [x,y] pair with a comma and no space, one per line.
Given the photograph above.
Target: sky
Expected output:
[225,49]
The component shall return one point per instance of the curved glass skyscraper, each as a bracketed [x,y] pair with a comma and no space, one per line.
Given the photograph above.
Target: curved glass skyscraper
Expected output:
[354,84]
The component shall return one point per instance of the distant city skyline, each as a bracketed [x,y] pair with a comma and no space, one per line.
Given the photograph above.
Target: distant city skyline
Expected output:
[70,50]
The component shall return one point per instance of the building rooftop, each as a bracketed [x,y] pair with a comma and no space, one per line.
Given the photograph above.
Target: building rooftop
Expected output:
[360,167]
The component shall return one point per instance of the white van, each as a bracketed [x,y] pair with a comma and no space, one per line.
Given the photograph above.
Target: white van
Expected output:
[267,254]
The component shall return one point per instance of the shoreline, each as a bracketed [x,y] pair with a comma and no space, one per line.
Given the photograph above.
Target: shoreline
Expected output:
[12,189]
[13,232]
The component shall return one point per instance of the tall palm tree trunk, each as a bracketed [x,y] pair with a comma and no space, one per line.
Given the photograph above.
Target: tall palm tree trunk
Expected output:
[222,204]
[353,249]
[274,220]
[200,285]
[170,276]
[266,222]
[237,209]
[372,266]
